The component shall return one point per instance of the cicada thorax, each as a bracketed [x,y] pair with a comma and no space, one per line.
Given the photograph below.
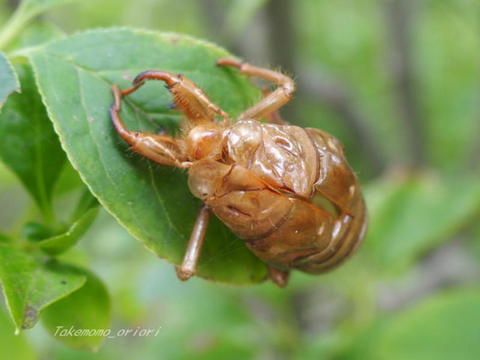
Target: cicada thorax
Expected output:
[286,191]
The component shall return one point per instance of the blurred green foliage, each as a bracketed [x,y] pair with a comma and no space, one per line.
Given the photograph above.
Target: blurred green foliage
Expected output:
[412,290]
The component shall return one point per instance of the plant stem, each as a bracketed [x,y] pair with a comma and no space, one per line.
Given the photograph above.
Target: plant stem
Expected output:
[48,214]
[13,27]
[339,98]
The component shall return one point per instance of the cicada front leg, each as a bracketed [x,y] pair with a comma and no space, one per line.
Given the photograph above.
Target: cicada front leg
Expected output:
[162,149]
[187,96]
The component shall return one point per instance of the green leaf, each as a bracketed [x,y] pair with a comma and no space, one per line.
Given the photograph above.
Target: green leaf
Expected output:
[410,215]
[151,201]
[68,181]
[30,284]
[442,327]
[28,144]
[87,310]
[53,241]
[8,79]
[60,243]
[13,346]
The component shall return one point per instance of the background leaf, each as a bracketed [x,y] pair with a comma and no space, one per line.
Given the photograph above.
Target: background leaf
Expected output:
[87,308]
[153,202]
[412,214]
[28,144]
[442,327]
[8,79]
[31,284]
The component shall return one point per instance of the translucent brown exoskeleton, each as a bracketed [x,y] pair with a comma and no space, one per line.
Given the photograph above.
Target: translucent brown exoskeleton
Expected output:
[287,191]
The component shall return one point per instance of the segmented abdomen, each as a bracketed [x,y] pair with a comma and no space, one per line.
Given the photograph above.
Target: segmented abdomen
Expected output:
[288,192]
[290,232]
[284,231]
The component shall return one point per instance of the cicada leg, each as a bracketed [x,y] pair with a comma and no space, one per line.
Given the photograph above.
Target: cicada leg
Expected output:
[274,117]
[278,277]
[162,149]
[271,102]
[194,247]
[187,96]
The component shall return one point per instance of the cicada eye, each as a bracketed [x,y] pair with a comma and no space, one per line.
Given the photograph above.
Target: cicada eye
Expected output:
[205,176]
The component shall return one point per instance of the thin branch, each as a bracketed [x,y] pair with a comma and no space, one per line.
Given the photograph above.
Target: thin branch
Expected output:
[400,25]
[336,96]
[281,35]
[253,44]
[13,4]
[214,15]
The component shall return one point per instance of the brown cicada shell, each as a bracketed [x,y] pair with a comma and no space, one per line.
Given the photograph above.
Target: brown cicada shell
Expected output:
[288,192]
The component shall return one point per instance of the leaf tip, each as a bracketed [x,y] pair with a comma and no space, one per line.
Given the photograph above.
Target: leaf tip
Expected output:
[30,318]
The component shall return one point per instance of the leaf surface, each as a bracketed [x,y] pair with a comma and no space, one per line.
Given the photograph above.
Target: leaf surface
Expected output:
[31,284]
[87,310]
[28,144]
[75,75]
[8,79]
[443,327]
[409,216]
